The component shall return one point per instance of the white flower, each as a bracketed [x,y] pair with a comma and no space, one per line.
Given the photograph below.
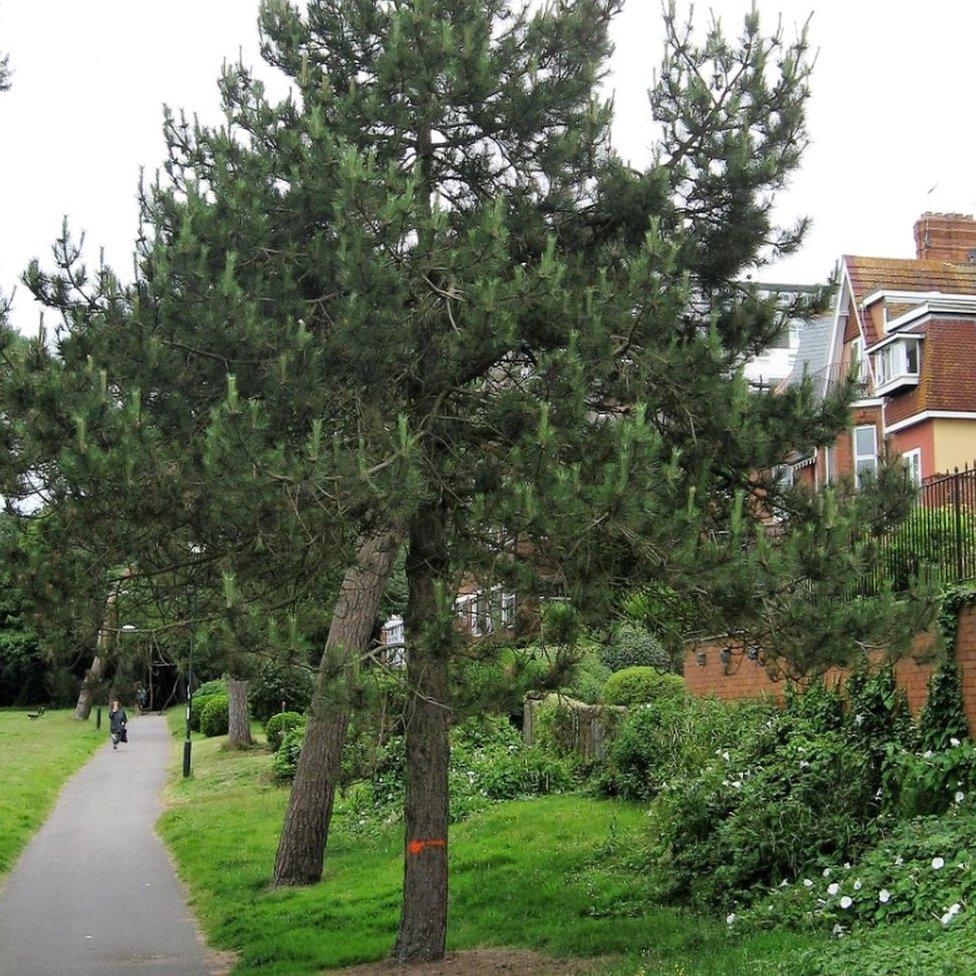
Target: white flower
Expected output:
[847,865]
[884,896]
[960,796]
[938,863]
[784,883]
[951,913]
[832,889]
[807,883]
[826,872]
[846,901]
[730,918]
[954,742]
[899,861]
[737,785]
[927,754]
[838,930]
[726,756]
[804,764]
[857,885]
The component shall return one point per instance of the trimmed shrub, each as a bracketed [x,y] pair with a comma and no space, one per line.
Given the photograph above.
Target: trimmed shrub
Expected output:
[280,724]
[285,760]
[196,708]
[631,646]
[210,688]
[215,716]
[277,683]
[639,686]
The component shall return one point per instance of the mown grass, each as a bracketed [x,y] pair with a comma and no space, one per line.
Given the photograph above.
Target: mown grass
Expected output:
[554,874]
[36,758]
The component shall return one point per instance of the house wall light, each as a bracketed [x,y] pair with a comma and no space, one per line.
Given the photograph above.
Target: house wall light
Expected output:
[701,659]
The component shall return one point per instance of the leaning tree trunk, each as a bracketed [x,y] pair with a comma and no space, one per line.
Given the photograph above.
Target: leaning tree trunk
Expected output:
[301,850]
[239,725]
[93,677]
[423,922]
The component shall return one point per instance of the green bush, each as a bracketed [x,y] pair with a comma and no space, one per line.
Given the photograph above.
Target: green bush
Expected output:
[918,873]
[278,725]
[803,790]
[489,762]
[943,716]
[285,760]
[922,785]
[673,738]
[196,709]
[631,645]
[763,816]
[210,688]
[640,685]
[589,676]
[277,683]
[215,716]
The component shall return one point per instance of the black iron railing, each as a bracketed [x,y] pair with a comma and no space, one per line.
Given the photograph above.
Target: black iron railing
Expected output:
[936,541]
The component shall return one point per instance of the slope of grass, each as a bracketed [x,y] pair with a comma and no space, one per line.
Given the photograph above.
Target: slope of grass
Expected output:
[551,874]
[36,758]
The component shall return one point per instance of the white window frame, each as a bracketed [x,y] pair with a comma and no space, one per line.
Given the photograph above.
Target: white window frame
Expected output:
[913,460]
[891,367]
[858,457]
[507,614]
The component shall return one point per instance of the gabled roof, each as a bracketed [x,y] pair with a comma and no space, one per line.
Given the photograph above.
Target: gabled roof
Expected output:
[869,275]
[813,354]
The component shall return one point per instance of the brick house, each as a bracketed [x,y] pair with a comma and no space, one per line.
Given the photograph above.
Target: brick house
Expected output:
[907,328]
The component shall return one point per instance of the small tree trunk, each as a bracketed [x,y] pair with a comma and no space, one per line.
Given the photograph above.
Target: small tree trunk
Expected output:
[423,922]
[86,695]
[304,835]
[239,726]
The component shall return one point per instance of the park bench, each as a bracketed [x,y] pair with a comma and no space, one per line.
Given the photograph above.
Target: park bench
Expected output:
[37,714]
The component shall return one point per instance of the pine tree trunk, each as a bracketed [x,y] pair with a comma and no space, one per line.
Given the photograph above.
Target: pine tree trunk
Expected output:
[93,678]
[304,835]
[239,726]
[423,922]
[86,694]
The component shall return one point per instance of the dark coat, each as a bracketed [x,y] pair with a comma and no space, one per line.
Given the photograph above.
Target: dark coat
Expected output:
[117,720]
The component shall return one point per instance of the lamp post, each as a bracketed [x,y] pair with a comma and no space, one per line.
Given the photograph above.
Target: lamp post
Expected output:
[188,742]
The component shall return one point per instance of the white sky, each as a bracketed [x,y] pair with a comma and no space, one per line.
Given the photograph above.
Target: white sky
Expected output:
[891,115]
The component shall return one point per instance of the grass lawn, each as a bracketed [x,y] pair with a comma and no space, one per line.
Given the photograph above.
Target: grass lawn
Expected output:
[550,874]
[35,760]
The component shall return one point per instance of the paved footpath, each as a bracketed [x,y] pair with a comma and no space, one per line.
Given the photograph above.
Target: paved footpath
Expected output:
[94,893]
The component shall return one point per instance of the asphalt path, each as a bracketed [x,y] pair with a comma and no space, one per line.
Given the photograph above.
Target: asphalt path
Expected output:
[94,893]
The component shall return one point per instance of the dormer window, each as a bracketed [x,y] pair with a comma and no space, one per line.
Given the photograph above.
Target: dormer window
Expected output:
[896,364]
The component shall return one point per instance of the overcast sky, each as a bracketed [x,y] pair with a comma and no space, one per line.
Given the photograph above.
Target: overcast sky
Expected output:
[891,116]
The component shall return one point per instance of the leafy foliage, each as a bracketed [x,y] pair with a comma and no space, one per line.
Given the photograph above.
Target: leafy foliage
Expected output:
[215,716]
[806,790]
[279,687]
[640,685]
[674,738]
[943,716]
[631,645]
[279,725]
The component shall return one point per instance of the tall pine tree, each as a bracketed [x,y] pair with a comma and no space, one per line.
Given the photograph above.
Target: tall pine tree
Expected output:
[422,295]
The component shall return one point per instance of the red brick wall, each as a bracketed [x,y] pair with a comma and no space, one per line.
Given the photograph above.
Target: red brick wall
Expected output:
[742,678]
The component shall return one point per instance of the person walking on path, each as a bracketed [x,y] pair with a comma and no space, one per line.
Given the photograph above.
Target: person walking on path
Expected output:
[117,720]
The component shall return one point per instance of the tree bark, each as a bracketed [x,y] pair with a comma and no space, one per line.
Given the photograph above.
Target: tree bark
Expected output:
[93,677]
[429,629]
[239,726]
[305,833]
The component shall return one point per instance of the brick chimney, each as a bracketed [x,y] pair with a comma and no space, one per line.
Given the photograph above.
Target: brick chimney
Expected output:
[946,237]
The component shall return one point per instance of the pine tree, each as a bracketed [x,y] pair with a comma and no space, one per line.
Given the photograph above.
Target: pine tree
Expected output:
[423,295]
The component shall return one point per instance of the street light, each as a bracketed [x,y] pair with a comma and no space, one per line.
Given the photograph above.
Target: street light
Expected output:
[188,742]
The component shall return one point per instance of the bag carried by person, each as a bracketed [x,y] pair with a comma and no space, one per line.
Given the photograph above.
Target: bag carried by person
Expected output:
[123,734]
